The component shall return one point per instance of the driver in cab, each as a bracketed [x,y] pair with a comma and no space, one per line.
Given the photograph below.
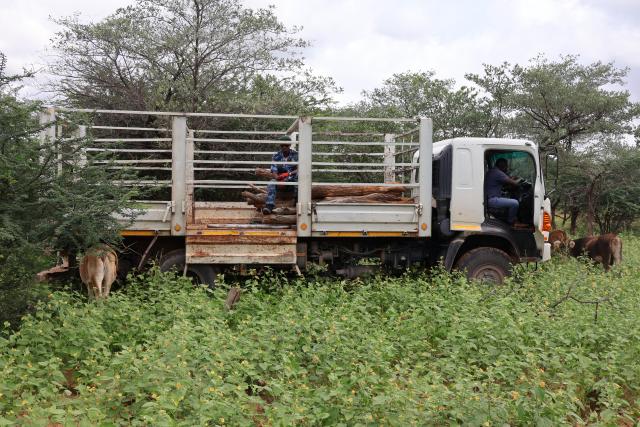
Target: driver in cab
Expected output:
[494,181]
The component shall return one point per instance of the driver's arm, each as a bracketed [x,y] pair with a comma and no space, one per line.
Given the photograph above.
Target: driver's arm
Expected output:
[512,182]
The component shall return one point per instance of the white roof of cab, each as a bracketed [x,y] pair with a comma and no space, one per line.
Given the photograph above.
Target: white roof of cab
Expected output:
[438,146]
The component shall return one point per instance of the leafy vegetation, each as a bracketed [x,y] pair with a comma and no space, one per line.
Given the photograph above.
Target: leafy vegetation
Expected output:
[417,349]
[50,199]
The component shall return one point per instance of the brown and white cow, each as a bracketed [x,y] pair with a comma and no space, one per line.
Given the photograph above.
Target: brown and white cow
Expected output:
[559,240]
[605,249]
[98,270]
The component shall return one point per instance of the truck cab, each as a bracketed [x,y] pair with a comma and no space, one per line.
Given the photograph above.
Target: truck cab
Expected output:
[472,236]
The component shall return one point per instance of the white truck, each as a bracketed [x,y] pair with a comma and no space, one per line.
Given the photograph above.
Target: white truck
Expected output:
[200,163]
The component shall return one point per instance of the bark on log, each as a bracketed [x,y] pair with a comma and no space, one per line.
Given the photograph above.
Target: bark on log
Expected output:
[279,219]
[264,173]
[257,189]
[285,211]
[259,200]
[370,198]
[323,191]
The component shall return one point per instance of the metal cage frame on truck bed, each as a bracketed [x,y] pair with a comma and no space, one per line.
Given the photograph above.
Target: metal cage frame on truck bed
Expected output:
[225,232]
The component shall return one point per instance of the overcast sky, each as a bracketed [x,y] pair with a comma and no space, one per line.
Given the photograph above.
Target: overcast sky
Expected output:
[362,42]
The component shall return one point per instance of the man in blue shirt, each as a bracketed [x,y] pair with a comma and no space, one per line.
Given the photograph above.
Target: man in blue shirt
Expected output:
[281,173]
[495,179]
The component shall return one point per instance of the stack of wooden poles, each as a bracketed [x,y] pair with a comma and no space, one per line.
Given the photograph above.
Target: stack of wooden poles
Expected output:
[285,212]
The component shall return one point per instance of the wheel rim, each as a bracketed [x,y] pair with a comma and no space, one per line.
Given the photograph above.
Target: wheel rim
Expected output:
[489,274]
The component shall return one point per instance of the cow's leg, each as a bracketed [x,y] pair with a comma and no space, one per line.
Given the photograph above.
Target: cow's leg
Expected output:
[92,289]
[110,261]
[99,277]
[616,250]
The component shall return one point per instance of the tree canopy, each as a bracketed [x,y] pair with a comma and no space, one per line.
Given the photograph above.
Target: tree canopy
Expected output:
[185,55]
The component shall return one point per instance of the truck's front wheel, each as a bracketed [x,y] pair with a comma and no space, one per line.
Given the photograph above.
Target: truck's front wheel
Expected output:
[200,273]
[486,265]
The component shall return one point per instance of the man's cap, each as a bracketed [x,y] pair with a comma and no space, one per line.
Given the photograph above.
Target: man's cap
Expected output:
[285,140]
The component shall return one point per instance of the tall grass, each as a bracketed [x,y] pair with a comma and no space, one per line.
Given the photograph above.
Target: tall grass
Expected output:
[559,345]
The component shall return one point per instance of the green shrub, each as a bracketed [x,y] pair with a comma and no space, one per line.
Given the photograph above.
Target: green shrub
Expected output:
[421,349]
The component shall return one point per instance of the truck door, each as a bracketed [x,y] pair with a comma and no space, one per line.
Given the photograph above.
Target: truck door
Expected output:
[467,208]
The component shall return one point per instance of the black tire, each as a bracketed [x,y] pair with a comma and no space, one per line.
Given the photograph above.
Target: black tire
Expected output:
[202,274]
[485,265]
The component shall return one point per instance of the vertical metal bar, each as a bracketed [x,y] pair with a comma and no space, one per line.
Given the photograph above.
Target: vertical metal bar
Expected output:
[48,134]
[189,178]
[425,177]
[389,158]
[59,148]
[305,154]
[178,173]
[81,133]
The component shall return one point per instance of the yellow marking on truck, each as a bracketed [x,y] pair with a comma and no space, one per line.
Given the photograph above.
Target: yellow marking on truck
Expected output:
[465,227]
[239,233]
[137,233]
[369,234]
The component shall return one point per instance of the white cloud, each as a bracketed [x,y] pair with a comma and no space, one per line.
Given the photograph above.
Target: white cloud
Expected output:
[362,42]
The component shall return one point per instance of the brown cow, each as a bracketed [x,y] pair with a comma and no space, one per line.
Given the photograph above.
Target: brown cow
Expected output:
[559,240]
[98,270]
[606,249]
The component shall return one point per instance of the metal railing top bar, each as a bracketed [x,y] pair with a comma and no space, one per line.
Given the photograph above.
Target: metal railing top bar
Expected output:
[253,170]
[132,139]
[235,181]
[237,115]
[258,162]
[240,132]
[127,162]
[348,170]
[230,140]
[316,153]
[382,144]
[139,183]
[365,119]
[175,113]
[130,128]
[128,150]
[334,133]
[145,168]
[260,132]
[271,141]
[361,164]
[270,153]
[242,162]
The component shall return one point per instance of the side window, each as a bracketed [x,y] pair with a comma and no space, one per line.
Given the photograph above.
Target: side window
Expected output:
[521,163]
[465,177]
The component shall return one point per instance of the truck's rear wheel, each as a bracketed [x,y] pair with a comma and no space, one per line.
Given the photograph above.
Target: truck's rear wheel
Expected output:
[200,273]
[486,265]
